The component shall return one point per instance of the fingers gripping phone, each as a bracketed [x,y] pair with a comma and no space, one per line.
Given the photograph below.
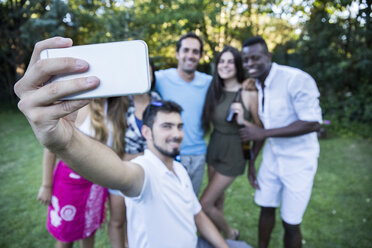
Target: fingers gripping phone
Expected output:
[122,67]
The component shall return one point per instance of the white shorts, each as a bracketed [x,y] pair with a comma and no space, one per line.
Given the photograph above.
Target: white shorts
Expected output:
[279,186]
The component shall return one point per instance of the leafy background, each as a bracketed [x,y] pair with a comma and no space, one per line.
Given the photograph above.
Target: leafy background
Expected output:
[331,40]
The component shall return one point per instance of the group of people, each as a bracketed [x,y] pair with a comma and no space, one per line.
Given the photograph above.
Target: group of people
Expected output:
[151,194]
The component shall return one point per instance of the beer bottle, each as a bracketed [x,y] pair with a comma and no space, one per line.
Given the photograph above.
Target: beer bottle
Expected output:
[231,117]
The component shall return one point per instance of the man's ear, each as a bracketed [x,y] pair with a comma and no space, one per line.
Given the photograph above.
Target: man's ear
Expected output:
[270,55]
[146,132]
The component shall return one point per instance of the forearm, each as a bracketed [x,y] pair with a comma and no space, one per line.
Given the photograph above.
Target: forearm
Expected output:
[208,231]
[296,128]
[49,160]
[256,148]
[99,164]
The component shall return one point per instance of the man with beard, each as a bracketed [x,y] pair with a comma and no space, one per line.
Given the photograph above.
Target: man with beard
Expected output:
[187,87]
[289,109]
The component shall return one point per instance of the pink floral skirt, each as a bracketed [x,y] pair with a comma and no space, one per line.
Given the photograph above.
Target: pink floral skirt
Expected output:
[77,208]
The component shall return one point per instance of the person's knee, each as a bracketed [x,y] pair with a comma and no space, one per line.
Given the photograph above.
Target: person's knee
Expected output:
[291,229]
[268,211]
[116,222]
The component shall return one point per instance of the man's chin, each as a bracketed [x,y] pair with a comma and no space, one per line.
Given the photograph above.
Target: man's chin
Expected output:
[189,70]
[174,153]
[171,154]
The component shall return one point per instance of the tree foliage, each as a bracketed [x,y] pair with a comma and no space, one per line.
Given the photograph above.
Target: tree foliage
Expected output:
[335,48]
[330,39]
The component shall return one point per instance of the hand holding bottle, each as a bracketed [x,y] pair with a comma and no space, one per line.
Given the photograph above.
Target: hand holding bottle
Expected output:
[237,109]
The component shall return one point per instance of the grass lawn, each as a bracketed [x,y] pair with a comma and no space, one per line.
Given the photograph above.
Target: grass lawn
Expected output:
[339,213]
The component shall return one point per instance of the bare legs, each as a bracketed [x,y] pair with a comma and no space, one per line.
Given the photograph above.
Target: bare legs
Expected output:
[292,233]
[265,226]
[61,244]
[212,201]
[117,223]
[84,243]
[292,236]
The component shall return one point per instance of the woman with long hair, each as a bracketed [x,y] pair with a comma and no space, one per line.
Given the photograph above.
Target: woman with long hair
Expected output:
[224,154]
[135,145]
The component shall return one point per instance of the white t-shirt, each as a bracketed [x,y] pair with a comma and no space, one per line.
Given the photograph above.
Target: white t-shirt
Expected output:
[289,95]
[163,214]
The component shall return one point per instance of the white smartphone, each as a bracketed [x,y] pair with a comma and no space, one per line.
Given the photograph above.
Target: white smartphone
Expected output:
[122,67]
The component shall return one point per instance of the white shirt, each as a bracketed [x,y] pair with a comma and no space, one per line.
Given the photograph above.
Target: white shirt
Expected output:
[163,214]
[289,95]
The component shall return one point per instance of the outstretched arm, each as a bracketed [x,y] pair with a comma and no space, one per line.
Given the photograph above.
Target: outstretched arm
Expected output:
[208,230]
[52,120]
[100,164]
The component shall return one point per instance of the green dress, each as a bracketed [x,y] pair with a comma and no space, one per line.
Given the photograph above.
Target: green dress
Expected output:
[224,151]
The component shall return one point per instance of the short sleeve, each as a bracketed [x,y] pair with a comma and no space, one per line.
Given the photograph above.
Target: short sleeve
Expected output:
[196,205]
[305,97]
[146,182]
[159,79]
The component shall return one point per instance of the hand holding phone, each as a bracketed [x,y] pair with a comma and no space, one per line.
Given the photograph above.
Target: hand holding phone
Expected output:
[122,67]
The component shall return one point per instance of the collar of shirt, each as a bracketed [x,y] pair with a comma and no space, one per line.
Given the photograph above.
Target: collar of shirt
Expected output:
[269,77]
[160,166]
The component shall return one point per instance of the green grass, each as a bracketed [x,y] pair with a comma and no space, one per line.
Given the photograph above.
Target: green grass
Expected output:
[339,213]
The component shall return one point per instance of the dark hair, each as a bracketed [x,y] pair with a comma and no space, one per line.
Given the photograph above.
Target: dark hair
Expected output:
[256,40]
[153,83]
[153,108]
[215,91]
[189,35]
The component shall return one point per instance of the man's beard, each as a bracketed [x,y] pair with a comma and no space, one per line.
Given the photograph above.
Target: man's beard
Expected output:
[171,154]
[189,70]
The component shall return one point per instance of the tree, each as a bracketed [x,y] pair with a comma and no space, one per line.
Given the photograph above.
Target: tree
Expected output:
[335,48]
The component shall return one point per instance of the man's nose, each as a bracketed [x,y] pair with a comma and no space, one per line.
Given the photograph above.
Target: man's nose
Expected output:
[190,54]
[176,132]
[250,62]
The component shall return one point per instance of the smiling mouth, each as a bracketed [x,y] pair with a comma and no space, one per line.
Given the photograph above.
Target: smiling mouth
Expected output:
[190,62]
[251,71]
[174,141]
